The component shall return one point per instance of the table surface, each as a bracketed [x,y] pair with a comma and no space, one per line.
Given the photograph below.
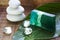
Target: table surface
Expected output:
[4,22]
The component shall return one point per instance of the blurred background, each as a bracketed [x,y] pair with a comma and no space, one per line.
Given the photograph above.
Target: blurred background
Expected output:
[27,4]
[30,3]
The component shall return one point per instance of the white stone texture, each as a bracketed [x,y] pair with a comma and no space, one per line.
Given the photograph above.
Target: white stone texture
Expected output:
[15,12]
[7,30]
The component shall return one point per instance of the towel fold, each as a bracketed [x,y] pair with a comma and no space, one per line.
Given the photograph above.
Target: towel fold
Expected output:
[43,20]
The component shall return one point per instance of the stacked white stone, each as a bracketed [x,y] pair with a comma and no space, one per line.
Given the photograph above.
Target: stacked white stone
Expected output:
[15,12]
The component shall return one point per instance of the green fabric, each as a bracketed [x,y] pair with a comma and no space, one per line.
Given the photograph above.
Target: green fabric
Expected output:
[48,23]
[39,18]
[33,17]
[43,20]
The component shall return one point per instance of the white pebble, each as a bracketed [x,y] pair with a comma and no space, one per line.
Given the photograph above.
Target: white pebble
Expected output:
[7,30]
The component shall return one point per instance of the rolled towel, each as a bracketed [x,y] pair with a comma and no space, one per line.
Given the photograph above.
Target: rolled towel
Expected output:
[43,20]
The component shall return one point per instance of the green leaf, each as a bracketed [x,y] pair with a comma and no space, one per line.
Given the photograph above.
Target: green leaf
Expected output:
[50,8]
[38,34]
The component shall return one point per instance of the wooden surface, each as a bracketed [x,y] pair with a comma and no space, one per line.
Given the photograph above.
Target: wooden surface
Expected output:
[4,22]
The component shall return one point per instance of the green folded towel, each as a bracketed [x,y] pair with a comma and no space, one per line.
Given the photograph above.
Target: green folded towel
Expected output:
[43,20]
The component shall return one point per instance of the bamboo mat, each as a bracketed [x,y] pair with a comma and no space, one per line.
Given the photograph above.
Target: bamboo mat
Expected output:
[4,22]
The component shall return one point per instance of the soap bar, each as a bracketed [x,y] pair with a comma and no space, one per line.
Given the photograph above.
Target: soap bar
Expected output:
[43,20]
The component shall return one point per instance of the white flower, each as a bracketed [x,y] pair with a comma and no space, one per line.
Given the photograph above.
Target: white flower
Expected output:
[26,23]
[27,31]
